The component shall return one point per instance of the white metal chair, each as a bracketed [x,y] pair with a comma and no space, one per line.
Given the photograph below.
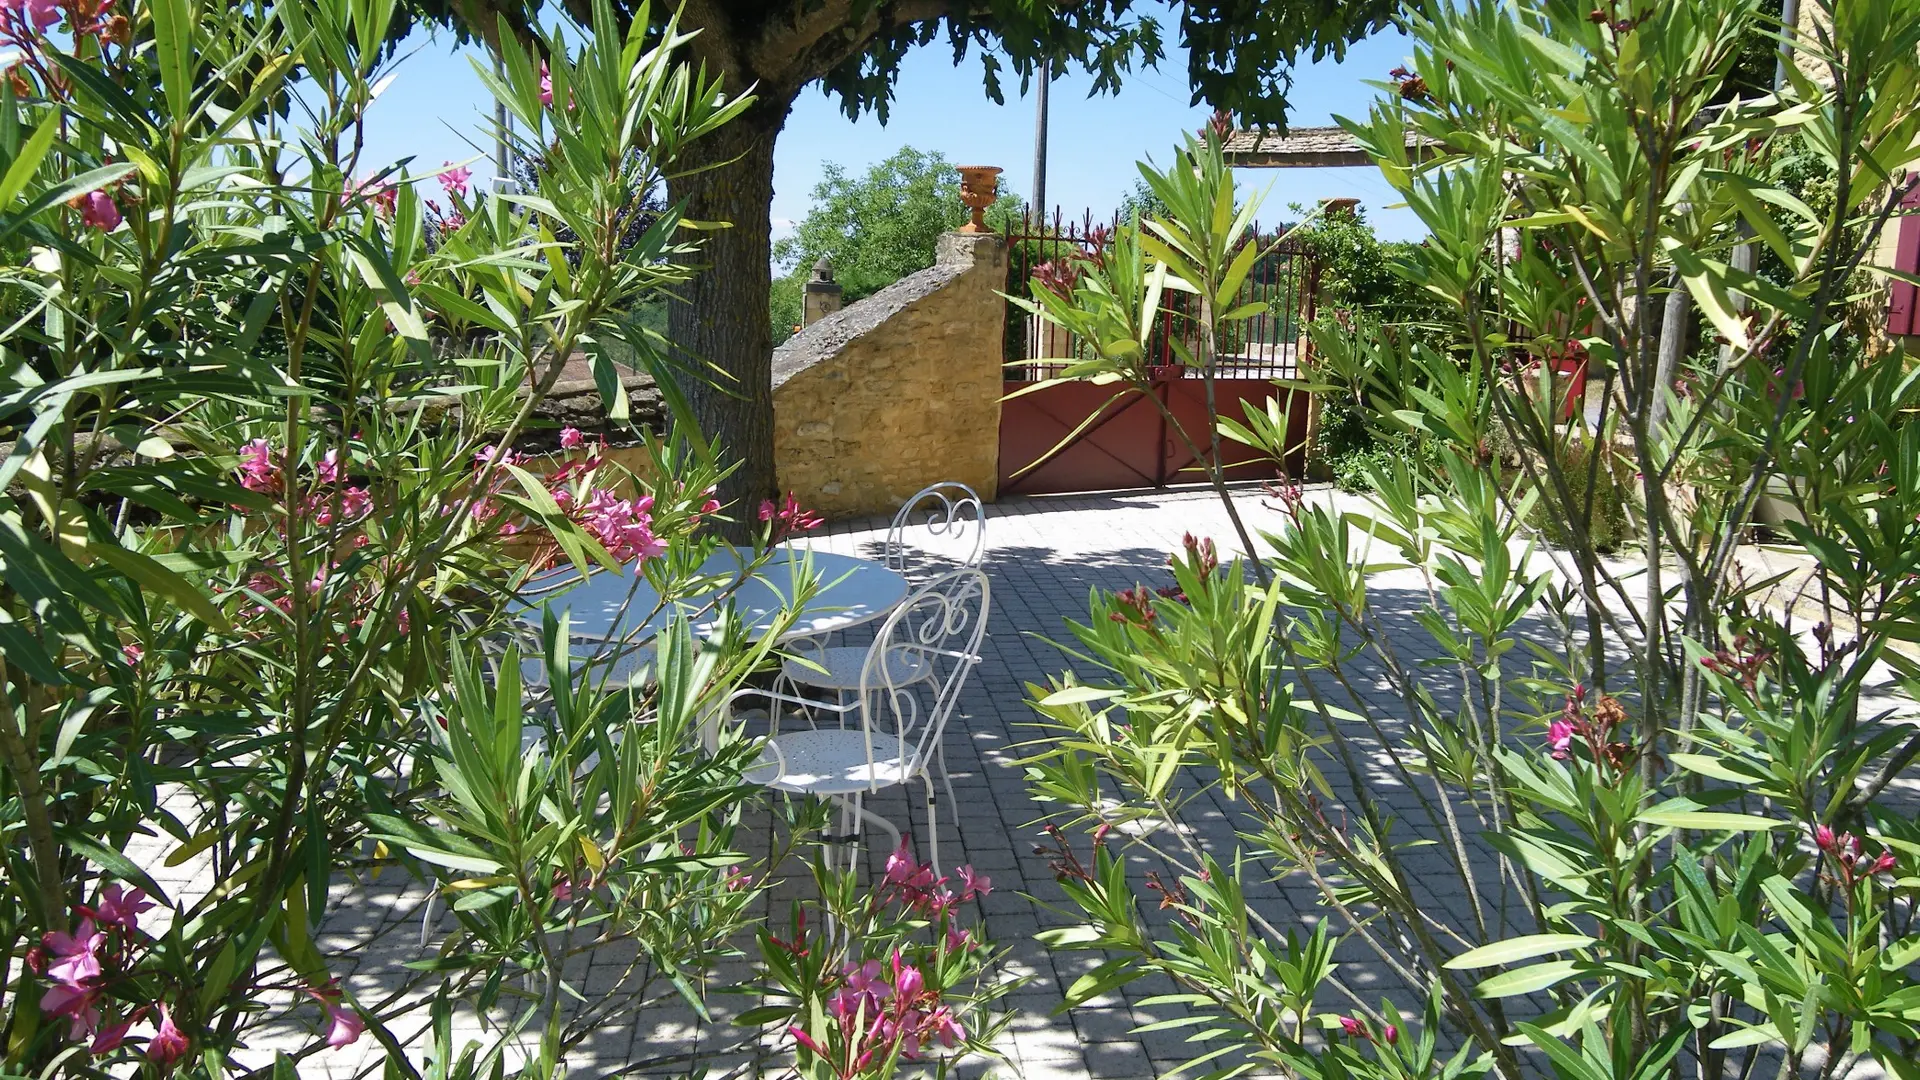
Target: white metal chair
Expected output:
[909,685]
[953,522]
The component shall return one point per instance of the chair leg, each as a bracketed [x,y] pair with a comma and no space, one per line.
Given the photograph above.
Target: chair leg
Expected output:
[933,825]
[891,830]
[946,779]
[855,815]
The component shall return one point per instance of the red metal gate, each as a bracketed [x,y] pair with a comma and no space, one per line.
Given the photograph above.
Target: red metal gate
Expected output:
[1130,444]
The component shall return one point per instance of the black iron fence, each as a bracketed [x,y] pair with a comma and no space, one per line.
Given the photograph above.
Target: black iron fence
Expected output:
[1266,346]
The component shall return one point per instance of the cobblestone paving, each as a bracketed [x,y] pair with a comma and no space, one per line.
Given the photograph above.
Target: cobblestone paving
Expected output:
[1043,556]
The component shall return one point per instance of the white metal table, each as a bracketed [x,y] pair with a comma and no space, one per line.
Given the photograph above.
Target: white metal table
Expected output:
[610,607]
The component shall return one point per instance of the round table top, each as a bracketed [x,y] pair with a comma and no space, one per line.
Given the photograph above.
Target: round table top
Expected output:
[611,605]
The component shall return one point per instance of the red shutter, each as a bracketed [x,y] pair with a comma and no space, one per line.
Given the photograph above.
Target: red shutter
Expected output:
[1903,311]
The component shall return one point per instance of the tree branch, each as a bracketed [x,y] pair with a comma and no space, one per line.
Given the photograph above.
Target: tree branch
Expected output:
[794,50]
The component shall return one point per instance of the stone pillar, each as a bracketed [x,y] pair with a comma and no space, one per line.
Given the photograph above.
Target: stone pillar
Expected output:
[821,295]
[899,390]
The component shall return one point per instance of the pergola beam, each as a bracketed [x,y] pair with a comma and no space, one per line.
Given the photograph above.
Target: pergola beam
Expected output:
[1304,148]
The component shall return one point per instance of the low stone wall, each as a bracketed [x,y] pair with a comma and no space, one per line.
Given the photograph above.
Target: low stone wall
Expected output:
[899,390]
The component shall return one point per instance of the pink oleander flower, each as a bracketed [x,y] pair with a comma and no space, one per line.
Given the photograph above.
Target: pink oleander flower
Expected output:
[712,506]
[453,222]
[454,179]
[1850,860]
[562,889]
[43,14]
[112,1036]
[958,940]
[328,469]
[383,195]
[1560,738]
[800,1036]
[344,1026]
[76,955]
[904,1030]
[907,980]
[623,526]
[78,1005]
[98,210]
[866,979]
[546,86]
[1058,276]
[1390,1034]
[570,438]
[257,470]
[168,1044]
[904,871]
[133,652]
[788,517]
[973,884]
[355,503]
[941,1024]
[122,907]
[401,621]
[1351,1027]
[487,454]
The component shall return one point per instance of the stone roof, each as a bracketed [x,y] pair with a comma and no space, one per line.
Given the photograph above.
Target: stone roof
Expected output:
[1300,148]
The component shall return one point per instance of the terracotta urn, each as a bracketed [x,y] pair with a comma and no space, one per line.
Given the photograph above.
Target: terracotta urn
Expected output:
[979,186]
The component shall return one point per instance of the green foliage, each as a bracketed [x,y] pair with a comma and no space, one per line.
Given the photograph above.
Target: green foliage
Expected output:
[1140,202]
[1602,489]
[1351,449]
[1358,283]
[785,306]
[263,533]
[1357,269]
[1620,821]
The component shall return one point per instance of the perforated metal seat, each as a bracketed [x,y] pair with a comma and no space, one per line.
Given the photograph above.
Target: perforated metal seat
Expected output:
[840,668]
[908,686]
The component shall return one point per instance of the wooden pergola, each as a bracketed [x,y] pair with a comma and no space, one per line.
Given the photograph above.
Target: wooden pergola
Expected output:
[1305,148]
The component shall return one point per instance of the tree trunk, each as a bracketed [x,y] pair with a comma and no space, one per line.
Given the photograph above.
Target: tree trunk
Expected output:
[719,325]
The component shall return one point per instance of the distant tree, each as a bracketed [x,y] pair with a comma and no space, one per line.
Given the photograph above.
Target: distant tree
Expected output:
[878,228]
[1142,202]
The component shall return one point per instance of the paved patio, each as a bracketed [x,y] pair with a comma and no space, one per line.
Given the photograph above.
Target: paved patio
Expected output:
[1043,554]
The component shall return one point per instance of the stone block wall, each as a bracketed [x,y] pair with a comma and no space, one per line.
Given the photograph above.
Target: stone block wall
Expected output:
[899,390]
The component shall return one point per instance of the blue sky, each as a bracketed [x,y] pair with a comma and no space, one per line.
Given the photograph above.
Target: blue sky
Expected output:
[436,110]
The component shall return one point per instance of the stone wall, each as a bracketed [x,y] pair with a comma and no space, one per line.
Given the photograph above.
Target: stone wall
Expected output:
[899,390]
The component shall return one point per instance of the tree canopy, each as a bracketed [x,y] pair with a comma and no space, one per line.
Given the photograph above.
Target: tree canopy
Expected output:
[1239,52]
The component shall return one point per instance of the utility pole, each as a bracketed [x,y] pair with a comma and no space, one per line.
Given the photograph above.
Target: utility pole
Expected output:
[1040,139]
[1789,30]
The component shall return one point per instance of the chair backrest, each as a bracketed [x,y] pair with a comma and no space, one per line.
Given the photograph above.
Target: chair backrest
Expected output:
[946,520]
[920,660]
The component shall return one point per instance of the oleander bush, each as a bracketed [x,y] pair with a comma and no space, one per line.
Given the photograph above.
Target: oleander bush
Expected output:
[263,530]
[1619,820]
